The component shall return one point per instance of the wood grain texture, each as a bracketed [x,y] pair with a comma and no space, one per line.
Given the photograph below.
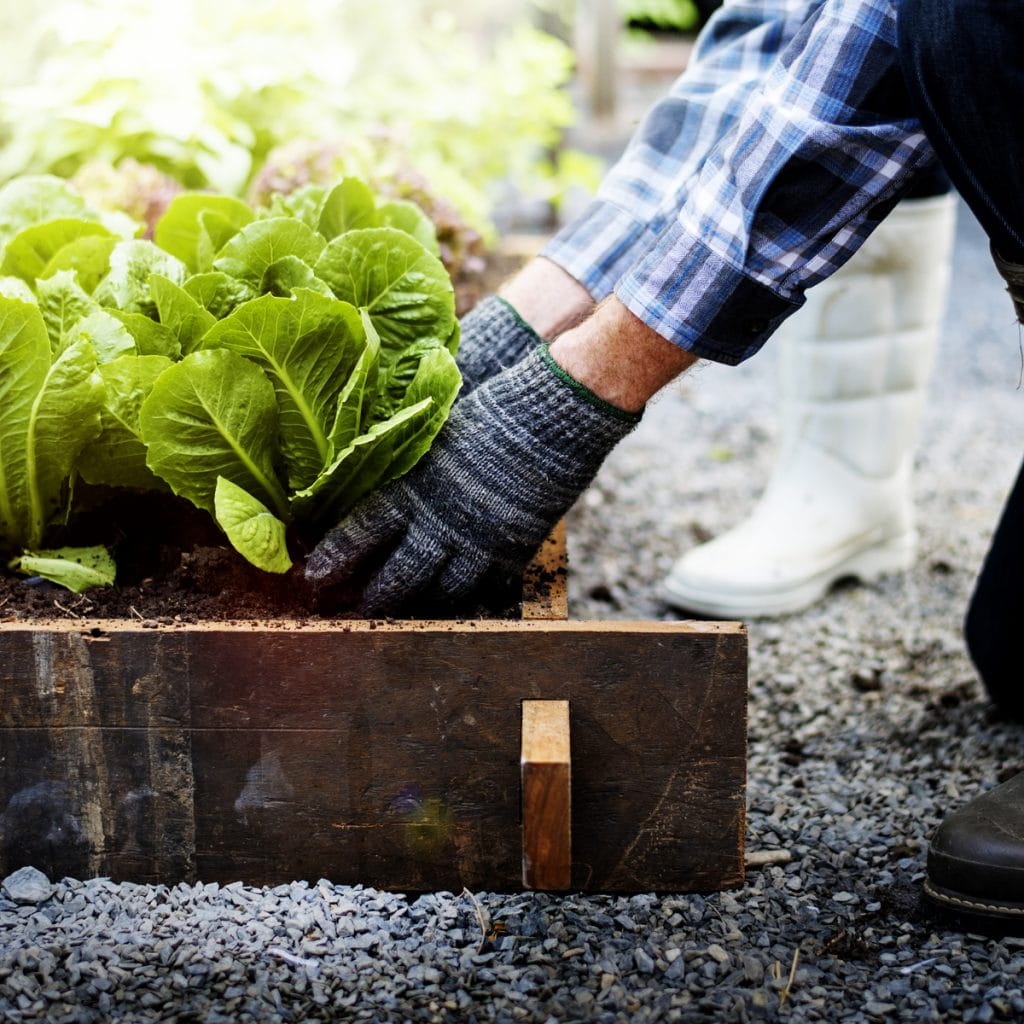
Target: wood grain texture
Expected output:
[386,754]
[545,769]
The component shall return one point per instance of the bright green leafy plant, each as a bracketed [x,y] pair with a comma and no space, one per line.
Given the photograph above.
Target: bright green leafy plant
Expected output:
[680,15]
[271,368]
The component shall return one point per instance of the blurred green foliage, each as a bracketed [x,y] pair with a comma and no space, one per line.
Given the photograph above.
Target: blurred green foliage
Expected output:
[681,15]
[204,92]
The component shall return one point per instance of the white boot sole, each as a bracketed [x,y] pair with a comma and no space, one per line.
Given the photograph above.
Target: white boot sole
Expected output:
[868,565]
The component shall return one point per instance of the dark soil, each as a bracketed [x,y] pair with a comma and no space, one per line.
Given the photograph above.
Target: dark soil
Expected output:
[207,583]
[175,567]
[172,562]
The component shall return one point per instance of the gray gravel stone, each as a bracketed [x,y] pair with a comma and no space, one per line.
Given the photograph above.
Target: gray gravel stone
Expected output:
[643,961]
[28,885]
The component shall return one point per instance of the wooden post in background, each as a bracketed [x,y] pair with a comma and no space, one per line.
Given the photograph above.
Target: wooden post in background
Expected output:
[598,24]
[546,774]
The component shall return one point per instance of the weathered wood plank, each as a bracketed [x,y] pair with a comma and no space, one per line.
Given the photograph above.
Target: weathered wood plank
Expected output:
[545,770]
[384,754]
[85,801]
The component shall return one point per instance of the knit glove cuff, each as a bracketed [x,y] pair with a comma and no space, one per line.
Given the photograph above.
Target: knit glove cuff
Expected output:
[494,337]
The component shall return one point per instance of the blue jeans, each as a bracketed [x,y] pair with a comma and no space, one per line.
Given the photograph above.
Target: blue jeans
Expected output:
[963,62]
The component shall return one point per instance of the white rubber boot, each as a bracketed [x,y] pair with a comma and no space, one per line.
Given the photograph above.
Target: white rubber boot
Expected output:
[855,364]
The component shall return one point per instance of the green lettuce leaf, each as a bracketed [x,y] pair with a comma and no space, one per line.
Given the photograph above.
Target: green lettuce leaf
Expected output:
[63,303]
[258,245]
[452,342]
[404,288]
[29,252]
[303,204]
[15,288]
[117,457]
[105,334]
[360,467]
[88,257]
[218,293]
[408,217]
[77,569]
[357,397]
[396,379]
[215,232]
[308,347]
[213,414]
[254,531]
[349,205]
[121,224]
[390,447]
[126,286]
[180,313]
[285,275]
[151,338]
[436,377]
[49,411]
[179,229]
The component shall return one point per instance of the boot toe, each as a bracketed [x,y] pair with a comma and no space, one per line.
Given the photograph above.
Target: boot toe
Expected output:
[733,578]
[976,857]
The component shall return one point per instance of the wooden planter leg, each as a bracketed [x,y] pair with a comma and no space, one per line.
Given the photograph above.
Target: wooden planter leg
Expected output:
[546,776]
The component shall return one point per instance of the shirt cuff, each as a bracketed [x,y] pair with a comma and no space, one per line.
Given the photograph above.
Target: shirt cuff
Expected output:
[599,246]
[695,299]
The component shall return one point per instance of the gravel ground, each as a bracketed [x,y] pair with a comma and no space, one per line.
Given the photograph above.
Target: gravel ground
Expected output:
[867,725]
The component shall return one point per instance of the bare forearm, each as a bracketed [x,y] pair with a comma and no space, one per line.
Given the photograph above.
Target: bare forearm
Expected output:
[618,357]
[606,348]
[547,298]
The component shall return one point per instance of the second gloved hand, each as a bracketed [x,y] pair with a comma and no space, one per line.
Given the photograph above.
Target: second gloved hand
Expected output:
[494,337]
[514,456]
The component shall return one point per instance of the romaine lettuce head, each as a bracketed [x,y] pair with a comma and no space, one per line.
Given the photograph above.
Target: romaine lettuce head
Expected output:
[272,368]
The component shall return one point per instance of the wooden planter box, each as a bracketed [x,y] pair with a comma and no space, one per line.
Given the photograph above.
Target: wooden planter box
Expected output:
[386,754]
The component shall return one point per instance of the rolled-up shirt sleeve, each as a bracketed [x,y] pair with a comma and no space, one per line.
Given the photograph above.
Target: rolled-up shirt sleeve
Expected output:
[645,188]
[821,151]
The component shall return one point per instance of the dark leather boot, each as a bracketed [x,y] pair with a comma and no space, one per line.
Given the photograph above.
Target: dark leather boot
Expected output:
[976,859]
[1013,275]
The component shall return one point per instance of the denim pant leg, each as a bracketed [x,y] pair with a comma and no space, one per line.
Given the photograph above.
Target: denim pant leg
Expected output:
[963,61]
[996,610]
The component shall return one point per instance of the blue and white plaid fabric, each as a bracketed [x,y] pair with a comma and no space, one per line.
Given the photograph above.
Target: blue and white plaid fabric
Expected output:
[763,170]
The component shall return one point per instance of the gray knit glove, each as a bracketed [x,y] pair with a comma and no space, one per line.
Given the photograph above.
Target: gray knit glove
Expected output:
[494,336]
[514,456]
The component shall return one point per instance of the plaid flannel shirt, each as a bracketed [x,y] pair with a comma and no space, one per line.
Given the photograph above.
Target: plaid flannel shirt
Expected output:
[785,142]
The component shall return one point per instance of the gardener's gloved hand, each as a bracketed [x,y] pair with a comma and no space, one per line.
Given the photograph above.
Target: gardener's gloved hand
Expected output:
[512,459]
[494,336]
